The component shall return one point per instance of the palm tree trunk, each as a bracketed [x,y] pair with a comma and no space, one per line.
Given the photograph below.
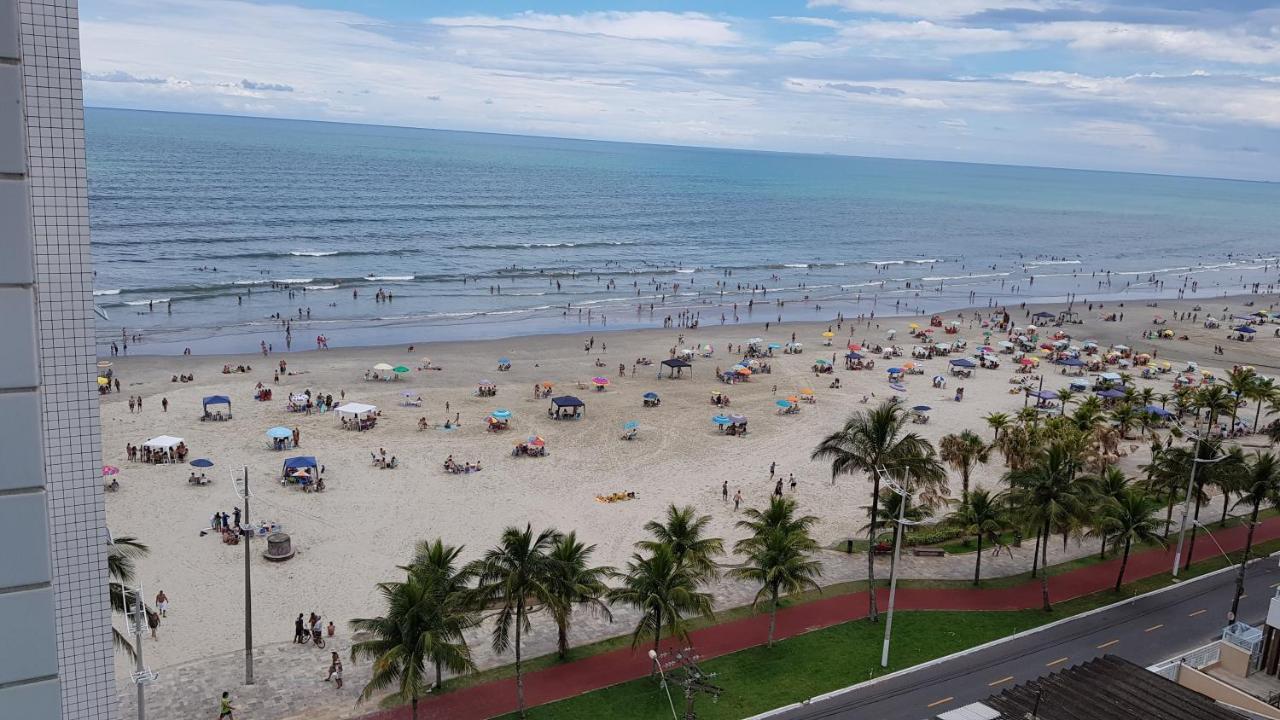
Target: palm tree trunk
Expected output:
[977,565]
[1257,416]
[1168,515]
[519,669]
[1123,563]
[1102,553]
[964,478]
[562,641]
[439,678]
[413,708]
[1226,503]
[1044,576]
[773,615]
[872,613]
[1035,555]
[1191,546]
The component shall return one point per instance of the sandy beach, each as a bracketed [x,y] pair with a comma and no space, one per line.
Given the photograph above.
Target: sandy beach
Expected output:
[366,522]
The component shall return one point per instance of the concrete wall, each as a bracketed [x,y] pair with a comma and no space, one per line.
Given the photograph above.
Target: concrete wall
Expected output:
[1193,679]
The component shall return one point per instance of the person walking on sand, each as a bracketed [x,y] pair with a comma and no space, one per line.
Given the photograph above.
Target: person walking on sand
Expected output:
[772,466]
[724,491]
[224,706]
[793,481]
[162,604]
[777,489]
[164,404]
[737,499]
[130,404]
[299,630]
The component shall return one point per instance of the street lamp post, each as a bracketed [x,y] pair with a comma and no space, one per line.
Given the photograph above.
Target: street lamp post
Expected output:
[1196,462]
[245,537]
[653,655]
[893,569]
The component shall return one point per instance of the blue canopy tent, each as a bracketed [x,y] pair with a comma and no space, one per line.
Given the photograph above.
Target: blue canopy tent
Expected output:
[566,406]
[1158,412]
[1244,329]
[963,363]
[1111,394]
[1072,362]
[853,356]
[1044,394]
[1044,314]
[302,462]
[216,400]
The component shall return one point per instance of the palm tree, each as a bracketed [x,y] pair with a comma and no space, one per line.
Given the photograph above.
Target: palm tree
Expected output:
[1048,495]
[963,452]
[683,532]
[514,579]
[1110,484]
[576,582]
[871,441]
[1128,519]
[1241,382]
[980,514]
[778,555]
[1259,481]
[1264,390]
[997,421]
[122,554]
[664,590]
[406,638]
[1217,400]
[1065,396]
[1125,417]
[450,612]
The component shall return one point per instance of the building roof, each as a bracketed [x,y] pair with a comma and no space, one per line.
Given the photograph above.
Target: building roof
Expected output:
[1105,688]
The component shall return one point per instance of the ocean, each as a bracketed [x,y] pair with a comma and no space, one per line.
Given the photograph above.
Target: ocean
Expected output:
[206,227]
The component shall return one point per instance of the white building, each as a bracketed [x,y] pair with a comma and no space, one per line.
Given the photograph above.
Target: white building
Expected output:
[55,618]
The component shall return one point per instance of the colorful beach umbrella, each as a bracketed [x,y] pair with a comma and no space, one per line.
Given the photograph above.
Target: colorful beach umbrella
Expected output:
[400,369]
[601,381]
[782,403]
[828,334]
[536,441]
[822,361]
[110,470]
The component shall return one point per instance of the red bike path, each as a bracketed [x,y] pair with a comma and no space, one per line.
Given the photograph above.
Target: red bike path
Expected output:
[611,668]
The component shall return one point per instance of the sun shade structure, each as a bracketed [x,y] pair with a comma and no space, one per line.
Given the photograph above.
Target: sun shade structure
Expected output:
[677,367]
[651,396]
[216,400]
[201,463]
[162,442]
[382,367]
[1110,394]
[963,363]
[279,433]
[358,410]
[301,462]
[501,414]
[1158,412]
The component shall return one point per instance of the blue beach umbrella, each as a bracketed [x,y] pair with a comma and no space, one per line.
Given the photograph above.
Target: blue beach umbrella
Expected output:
[630,425]
[503,361]
[201,463]
[783,404]
[895,371]
[775,346]
[721,420]
[922,408]
[501,414]
[651,396]
[279,433]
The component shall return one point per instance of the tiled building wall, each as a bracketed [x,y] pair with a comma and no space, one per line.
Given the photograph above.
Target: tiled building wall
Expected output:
[29,662]
[54,111]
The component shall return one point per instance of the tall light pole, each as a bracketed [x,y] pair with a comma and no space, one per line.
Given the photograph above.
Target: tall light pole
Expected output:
[246,537]
[135,614]
[897,552]
[1186,503]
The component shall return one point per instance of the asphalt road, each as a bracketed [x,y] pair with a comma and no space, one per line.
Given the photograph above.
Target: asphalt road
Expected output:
[1146,631]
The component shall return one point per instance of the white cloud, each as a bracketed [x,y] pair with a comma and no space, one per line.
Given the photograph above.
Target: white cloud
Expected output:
[947,38]
[688,27]
[945,9]
[1231,46]
[1108,133]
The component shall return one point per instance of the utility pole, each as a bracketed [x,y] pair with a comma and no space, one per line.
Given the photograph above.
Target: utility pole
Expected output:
[248,588]
[135,613]
[1186,503]
[687,675]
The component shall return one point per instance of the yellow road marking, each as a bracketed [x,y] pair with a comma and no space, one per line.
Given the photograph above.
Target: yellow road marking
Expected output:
[1001,680]
[936,703]
[1154,627]
[1059,661]
[1108,644]
[1198,612]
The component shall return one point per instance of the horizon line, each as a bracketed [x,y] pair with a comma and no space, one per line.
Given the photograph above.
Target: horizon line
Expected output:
[711,148]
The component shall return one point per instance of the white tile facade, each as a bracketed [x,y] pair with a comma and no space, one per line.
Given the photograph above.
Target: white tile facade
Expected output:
[60,579]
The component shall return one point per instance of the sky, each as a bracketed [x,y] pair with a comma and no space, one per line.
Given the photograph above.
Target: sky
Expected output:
[1189,87]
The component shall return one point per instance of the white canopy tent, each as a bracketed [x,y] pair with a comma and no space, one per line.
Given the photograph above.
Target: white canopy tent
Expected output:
[162,442]
[356,410]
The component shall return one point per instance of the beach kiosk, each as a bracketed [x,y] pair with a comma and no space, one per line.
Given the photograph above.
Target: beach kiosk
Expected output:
[217,414]
[566,407]
[677,368]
